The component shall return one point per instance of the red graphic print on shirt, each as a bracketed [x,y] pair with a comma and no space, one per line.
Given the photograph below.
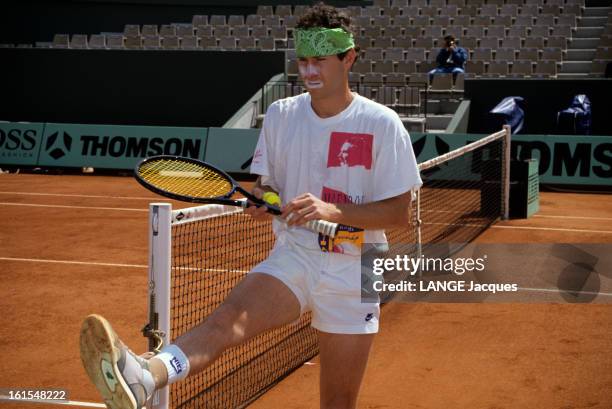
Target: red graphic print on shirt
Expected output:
[350,149]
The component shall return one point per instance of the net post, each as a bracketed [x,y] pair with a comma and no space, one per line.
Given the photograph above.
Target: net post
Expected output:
[418,222]
[160,235]
[506,173]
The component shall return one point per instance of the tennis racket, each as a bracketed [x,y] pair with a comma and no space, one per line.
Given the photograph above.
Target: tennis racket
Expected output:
[191,180]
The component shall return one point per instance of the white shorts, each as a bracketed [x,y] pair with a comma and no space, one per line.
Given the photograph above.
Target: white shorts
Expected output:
[327,284]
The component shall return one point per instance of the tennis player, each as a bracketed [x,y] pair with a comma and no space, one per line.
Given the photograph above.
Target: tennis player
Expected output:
[330,154]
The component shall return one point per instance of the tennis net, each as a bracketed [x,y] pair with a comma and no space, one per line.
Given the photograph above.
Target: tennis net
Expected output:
[198,255]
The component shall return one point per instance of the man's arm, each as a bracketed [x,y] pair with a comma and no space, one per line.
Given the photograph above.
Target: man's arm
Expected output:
[383,214]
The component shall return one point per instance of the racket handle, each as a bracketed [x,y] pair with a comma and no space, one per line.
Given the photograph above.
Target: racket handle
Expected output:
[323,227]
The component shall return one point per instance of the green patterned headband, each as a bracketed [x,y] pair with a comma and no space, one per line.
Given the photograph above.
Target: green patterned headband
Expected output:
[319,41]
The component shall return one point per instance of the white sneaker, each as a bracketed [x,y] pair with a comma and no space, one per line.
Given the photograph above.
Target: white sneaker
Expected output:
[122,378]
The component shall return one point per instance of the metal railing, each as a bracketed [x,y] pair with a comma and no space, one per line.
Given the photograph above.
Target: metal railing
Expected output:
[406,100]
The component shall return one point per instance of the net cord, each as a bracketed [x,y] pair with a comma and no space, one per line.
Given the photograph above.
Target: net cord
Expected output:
[461,151]
[506,173]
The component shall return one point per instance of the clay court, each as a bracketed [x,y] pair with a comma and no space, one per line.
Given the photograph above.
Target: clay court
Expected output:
[75,245]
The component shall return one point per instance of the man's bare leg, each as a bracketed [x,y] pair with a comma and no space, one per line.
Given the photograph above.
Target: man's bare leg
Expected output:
[343,362]
[258,303]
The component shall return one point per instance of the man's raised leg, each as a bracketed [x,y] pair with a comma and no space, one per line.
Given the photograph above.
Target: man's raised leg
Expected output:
[258,303]
[343,362]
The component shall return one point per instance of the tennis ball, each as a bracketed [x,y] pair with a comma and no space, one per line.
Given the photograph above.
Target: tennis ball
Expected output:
[271,198]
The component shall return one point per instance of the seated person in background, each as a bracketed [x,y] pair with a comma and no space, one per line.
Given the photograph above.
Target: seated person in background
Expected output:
[450,59]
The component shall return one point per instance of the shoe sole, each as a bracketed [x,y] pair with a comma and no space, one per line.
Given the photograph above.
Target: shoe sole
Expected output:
[100,352]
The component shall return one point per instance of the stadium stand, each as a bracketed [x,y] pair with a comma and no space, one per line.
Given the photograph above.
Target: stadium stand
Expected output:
[400,40]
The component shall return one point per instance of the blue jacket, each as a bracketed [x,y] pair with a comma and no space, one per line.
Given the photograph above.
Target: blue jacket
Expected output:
[459,57]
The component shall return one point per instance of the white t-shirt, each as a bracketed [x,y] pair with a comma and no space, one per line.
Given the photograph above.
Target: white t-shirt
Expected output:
[363,154]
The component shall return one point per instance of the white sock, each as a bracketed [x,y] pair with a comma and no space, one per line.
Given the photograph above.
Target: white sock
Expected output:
[176,363]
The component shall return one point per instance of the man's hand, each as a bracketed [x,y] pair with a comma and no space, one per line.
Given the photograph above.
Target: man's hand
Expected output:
[260,214]
[307,207]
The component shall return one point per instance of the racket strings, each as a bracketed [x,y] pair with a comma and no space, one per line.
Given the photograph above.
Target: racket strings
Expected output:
[185,178]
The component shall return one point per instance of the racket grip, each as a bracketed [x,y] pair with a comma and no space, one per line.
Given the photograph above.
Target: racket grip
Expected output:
[323,227]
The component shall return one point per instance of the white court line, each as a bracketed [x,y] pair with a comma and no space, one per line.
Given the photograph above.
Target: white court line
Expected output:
[75,195]
[551,229]
[127,209]
[551,216]
[94,263]
[54,402]
[83,263]
[521,227]
[548,290]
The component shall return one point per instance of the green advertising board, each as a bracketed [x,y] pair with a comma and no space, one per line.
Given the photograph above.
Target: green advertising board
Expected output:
[563,159]
[20,143]
[116,147]
[231,149]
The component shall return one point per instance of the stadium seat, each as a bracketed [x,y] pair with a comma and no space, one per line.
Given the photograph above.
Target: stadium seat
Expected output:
[271,21]
[151,42]
[470,10]
[283,10]
[546,68]
[396,78]
[562,31]
[429,11]
[459,85]
[259,31]
[482,54]
[552,54]
[509,10]
[598,67]
[517,31]
[488,10]
[449,10]
[265,43]
[254,20]
[421,21]
[458,3]
[475,67]
[432,31]
[413,32]
[197,20]
[484,21]
[405,67]
[393,31]
[371,31]
[61,41]
[131,30]
[362,66]
[235,20]
[545,20]
[383,66]
[265,10]
[227,43]
[524,20]
[468,42]
[300,9]
[79,41]
[530,10]
[167,30]
[462,21]
[498,68]
[246,43]
[290,21]
[442,82]
[382,42]
[489,42]
[114,41]
[278,33]
[221,31]
[133,42]
[474,31]
[520,68]
[513,42]
[566,20]
[539,31]
[354,77]
[394,54]
[217,20]
[372,11]
[204,31]
[170,43]
[496,31]
[373,54]
[97,41]
[424,42]
[189,43]
[184,30]
[402,21]
[208,42]
[415,54]
[455,31]
[528,54]
[534,42]
[240,31]
[505,54]
[403,42]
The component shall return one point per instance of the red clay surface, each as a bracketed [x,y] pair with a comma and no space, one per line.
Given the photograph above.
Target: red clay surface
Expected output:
[426,355]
